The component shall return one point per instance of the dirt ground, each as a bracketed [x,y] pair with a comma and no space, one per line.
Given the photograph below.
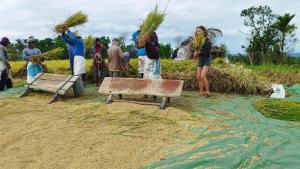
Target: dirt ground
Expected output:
[87,133]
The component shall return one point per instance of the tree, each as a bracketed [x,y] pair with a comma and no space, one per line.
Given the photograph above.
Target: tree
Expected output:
[262,34]
[165,50]
[285,30]
[178,40]
[213,34]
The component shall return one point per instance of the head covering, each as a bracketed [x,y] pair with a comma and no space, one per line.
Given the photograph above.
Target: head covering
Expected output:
[76,34]
[31,39]
[5,41]
[98,40]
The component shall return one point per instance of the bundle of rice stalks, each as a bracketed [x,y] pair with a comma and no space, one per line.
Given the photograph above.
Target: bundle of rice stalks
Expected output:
[78,18]
[279,109]
[198,41]
[88,43]
[48,55]
[153,20]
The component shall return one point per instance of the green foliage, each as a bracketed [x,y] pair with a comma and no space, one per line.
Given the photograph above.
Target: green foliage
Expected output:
[269,36]
[279,109]
[219,61]
[88,44]
[165,50]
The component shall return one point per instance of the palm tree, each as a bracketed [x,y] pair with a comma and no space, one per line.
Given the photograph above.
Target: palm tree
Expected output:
[214,33]
[285,28]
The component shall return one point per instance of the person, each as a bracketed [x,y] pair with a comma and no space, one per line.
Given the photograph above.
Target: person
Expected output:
[76,42]
[71,54]
[141,51]
[98,62]
[33,68]
[115,59]
[204,62]
[5,75]
[152,61]
[132,52]
[152,68]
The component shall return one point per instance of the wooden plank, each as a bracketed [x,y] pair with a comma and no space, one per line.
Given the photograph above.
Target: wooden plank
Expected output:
[67,86]
[136,102]
[48,83]
[35,78]
[47,89]
[164,88]
[74,78]
[54,77]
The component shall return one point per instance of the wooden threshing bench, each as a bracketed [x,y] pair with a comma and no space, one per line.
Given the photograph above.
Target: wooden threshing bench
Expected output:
[163,88]
[57,84]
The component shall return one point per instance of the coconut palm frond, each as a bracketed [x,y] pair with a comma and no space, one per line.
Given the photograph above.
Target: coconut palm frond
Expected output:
[214,33]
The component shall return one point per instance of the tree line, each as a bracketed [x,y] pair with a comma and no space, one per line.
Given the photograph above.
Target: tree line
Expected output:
[16,48]
[271,36]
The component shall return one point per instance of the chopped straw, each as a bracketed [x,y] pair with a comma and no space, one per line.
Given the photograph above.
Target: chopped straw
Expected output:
[77,19]
[150,25]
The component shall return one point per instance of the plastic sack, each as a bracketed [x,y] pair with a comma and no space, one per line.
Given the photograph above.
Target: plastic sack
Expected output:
[279,92]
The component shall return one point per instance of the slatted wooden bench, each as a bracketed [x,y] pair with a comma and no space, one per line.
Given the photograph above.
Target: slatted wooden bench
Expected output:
[57,84]
[131,86]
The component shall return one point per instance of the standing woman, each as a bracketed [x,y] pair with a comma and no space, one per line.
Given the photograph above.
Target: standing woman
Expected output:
[33,68]
[204,61]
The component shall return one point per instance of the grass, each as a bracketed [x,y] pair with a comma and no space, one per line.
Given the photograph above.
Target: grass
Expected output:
[279,109]
[275,68]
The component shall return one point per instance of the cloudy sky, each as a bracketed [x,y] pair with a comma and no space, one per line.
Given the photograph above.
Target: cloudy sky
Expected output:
[23,18]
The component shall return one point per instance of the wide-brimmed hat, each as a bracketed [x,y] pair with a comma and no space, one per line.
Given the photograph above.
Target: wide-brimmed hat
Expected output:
[31,39]
[5,41]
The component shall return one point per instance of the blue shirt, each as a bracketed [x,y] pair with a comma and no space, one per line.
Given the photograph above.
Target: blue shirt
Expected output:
[135,37]
[71,53]
[76,43]
[27,52]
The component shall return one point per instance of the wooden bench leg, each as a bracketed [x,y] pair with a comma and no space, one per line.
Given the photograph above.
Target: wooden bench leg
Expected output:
[109,99]
[163,103]
[54,98]
[169,100]
[25,93]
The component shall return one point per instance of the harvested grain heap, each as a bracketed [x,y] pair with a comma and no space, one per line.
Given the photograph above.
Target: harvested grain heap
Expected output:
[150,25]
[77,19]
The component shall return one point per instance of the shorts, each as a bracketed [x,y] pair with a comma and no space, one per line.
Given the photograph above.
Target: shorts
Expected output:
[203,61]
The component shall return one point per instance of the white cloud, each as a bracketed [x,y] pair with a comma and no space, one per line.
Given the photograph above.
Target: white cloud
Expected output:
[22,18]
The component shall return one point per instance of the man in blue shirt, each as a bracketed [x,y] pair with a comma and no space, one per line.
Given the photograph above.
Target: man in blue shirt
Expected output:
[79,61]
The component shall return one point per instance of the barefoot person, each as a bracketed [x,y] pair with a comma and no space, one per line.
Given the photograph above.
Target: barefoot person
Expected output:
[204,61]
[33,68]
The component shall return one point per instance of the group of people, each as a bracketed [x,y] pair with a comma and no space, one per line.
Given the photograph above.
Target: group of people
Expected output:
[149,66]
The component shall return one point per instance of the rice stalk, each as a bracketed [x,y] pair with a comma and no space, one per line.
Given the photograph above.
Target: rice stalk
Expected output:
[74,20]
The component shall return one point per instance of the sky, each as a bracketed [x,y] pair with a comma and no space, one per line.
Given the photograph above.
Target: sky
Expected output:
[24,18]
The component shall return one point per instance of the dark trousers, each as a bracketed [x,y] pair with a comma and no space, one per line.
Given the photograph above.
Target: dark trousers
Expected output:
[114,74]
[5,81]
[99,74]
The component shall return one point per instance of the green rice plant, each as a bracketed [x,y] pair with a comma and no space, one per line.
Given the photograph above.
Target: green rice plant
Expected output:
[279,109]
[78,18]
[153,20]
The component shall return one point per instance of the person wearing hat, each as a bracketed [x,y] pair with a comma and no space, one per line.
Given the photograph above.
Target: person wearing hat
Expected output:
[5,77]
[32,68]
[115,59]
[76,42]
